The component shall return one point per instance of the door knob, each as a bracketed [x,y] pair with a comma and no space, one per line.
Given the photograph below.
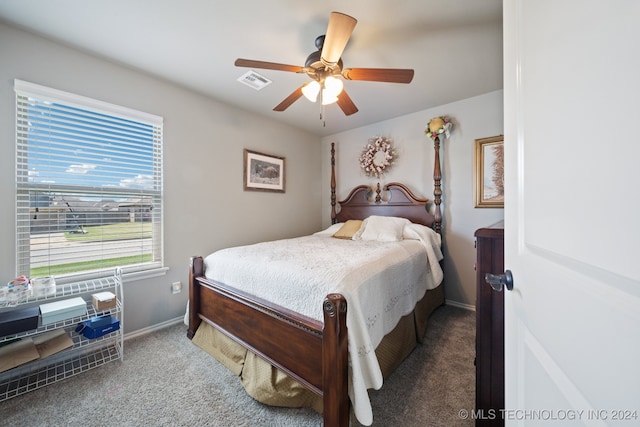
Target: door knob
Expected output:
[498,281]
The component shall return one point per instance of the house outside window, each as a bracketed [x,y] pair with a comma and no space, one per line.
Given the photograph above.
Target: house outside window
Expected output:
[88,186]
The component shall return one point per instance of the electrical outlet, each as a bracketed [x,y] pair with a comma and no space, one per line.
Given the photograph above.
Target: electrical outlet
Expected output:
[176,287]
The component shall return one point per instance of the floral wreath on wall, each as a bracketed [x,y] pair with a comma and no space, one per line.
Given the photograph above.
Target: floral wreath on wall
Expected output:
[377,156]
[437,126]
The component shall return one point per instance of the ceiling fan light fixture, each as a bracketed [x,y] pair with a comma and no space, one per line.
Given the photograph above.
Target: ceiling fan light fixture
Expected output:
[326,100]
[311,90]
[332,87]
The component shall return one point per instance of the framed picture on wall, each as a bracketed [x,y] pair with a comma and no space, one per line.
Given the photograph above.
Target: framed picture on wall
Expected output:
[488,182]
[263,172]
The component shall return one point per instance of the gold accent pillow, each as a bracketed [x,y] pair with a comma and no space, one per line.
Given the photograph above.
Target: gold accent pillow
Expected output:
[348,229]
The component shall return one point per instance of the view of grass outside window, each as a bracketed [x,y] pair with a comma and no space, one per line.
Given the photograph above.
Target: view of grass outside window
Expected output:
[89,185]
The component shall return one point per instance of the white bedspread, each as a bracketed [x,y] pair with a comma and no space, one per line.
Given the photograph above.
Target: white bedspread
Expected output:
[381,281]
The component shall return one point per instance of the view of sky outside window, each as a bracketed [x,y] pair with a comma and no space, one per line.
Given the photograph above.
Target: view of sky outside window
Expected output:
[93,150]
[92,182]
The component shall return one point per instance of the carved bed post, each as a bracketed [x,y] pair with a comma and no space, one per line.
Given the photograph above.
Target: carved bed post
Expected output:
[437,191]
[333,183]
[335,362]
[196,269]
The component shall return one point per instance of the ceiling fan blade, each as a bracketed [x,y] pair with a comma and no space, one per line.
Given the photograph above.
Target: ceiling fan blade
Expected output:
[267,65]
[338,32]
[295,95]
[346,104]
[391,75]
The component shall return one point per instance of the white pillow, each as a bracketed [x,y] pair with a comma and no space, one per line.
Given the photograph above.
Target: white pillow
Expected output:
[382,229]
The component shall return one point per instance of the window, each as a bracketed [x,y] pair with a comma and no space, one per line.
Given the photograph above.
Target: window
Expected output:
[88,186]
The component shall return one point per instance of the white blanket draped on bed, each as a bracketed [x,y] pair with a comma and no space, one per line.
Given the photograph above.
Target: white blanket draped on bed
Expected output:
[381,282]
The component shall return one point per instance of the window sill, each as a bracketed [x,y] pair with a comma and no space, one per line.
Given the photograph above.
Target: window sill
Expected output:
[127,276]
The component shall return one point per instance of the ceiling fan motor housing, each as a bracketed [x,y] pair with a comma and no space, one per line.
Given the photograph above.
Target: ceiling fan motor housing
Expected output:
[317,69]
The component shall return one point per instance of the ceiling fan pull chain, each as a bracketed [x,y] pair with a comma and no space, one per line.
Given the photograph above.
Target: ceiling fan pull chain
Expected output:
[324,123]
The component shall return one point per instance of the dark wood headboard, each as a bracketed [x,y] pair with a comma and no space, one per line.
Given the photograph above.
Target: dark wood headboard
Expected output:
[393,199]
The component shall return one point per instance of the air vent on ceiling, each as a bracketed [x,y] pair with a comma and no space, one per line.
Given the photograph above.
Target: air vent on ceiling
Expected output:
[254,80]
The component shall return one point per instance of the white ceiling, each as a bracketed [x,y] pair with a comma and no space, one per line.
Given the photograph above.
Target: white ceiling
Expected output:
[454,46]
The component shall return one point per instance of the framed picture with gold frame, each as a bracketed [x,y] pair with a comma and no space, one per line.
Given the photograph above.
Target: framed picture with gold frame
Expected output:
[488,182]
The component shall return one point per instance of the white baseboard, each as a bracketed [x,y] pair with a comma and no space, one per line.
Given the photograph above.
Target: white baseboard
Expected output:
[153,328]
[460,305]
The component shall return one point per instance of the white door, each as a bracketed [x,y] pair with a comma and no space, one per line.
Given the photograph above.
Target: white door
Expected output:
[572,214]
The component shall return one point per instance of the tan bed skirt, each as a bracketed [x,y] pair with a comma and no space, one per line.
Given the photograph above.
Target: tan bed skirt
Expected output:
[270,386]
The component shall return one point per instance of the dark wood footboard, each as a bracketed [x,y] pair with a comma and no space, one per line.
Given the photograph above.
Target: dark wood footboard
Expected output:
[313,353]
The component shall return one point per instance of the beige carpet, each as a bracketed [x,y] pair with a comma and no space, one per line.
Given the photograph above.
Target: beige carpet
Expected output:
[165,380]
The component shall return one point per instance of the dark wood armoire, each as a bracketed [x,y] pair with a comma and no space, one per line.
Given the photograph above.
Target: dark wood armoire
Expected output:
[489,327]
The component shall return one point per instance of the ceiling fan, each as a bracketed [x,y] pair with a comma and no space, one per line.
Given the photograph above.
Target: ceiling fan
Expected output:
[324,66]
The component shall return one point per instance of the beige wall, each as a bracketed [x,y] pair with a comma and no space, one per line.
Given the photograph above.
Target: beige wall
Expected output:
[205,206]
[474,118]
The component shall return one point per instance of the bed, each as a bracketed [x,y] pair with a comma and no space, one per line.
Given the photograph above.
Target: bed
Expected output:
[309,344]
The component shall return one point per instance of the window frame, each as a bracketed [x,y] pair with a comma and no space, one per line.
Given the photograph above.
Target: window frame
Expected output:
[24,187]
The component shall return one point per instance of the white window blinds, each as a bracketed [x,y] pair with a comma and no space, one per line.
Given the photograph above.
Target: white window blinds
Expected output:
[88,185]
